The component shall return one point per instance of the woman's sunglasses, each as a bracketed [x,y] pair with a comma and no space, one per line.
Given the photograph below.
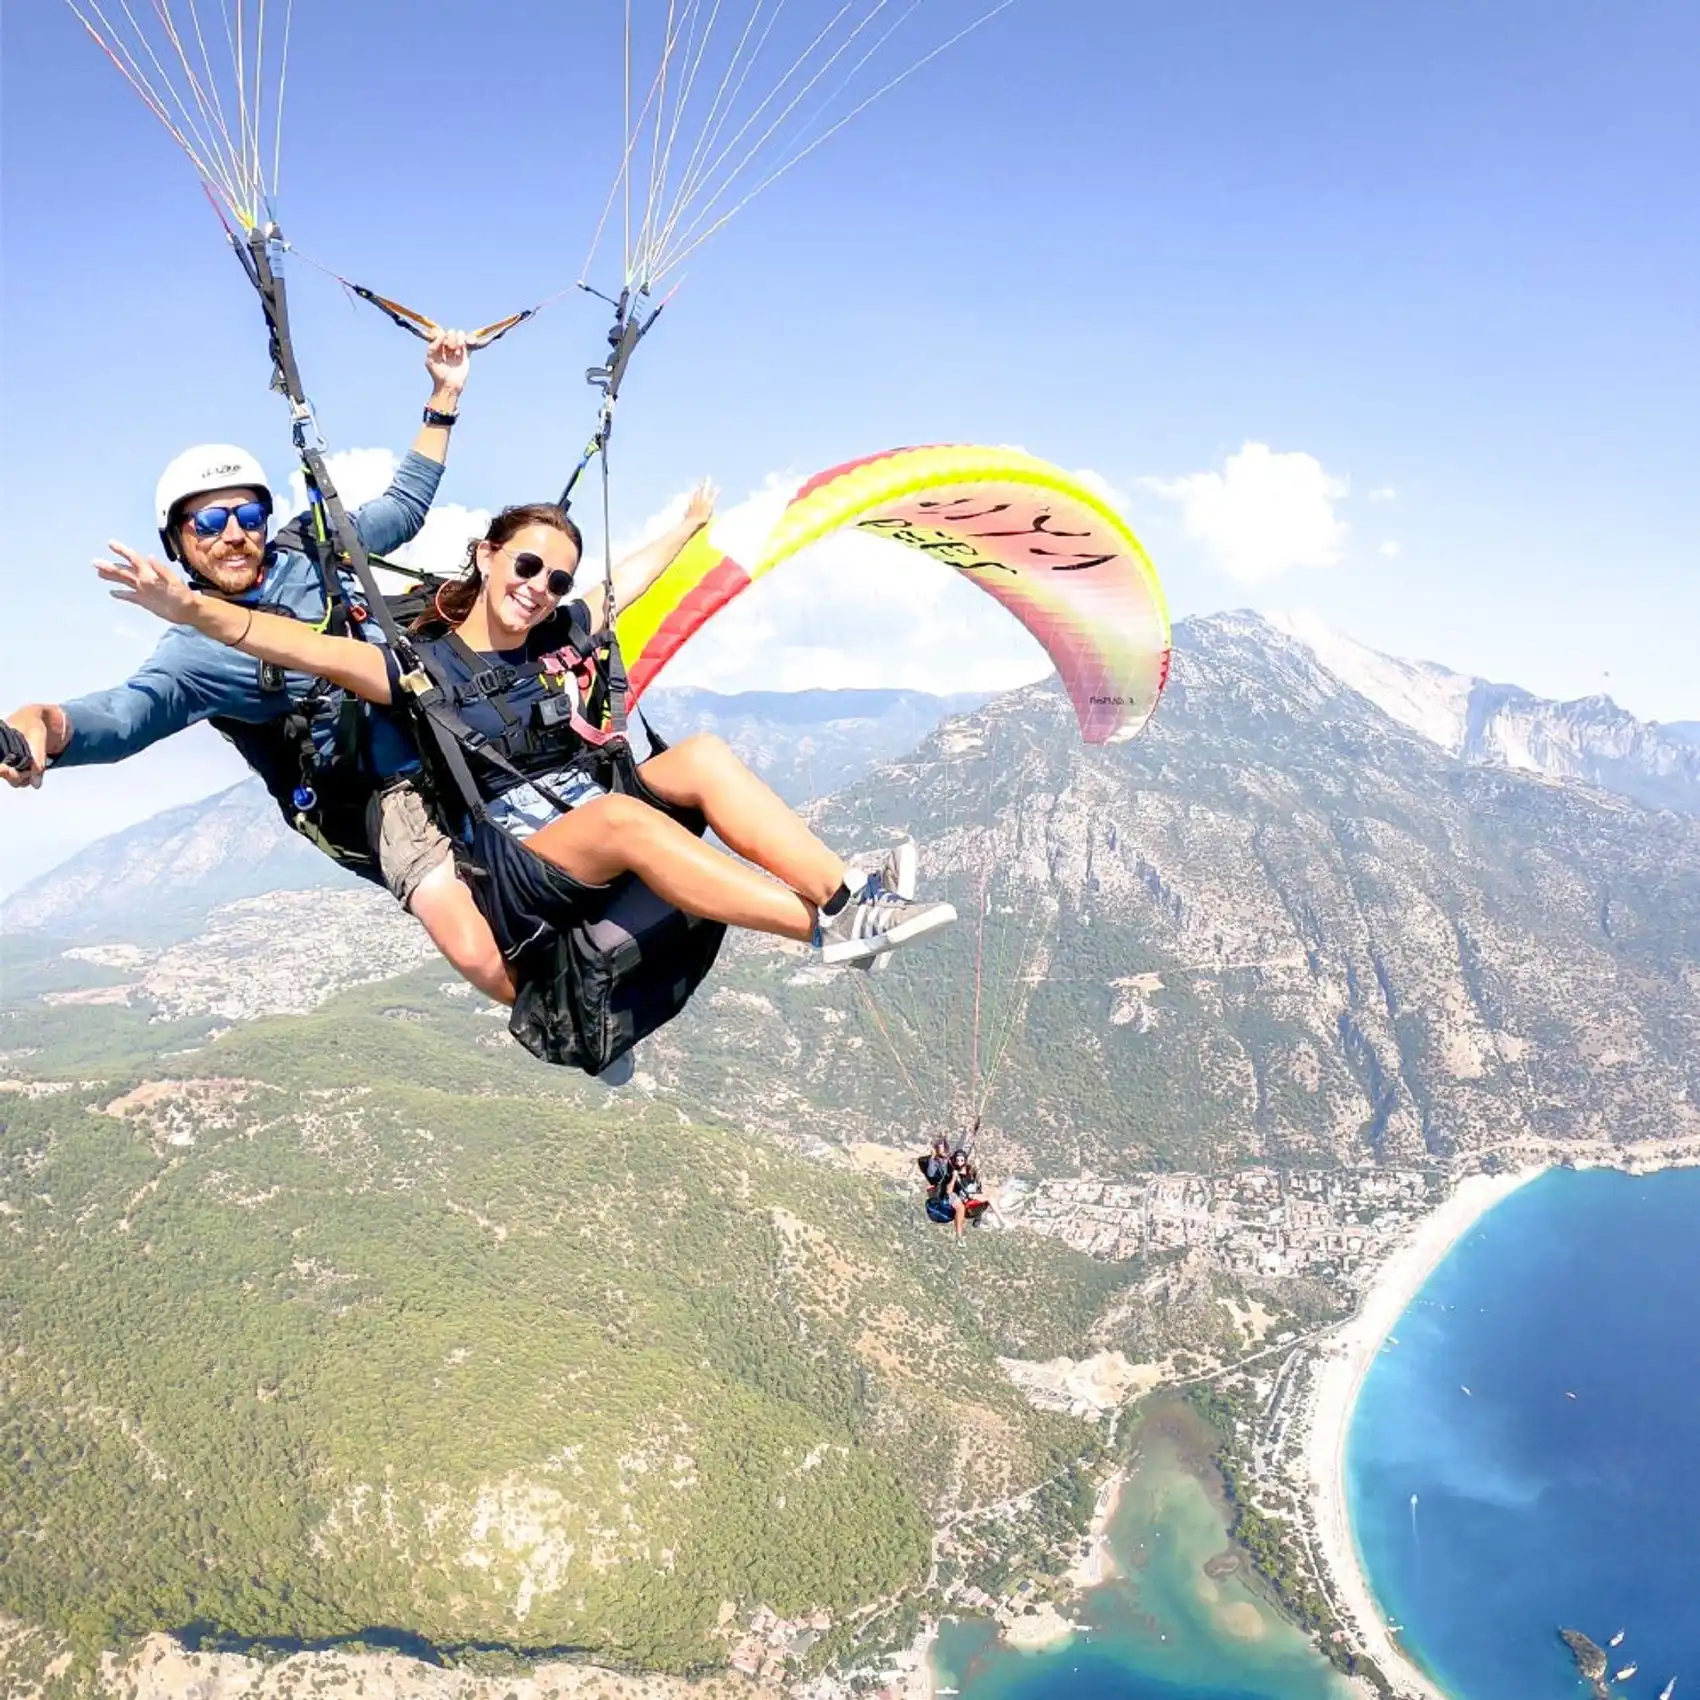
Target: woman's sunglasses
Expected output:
[559,581]
[251,516]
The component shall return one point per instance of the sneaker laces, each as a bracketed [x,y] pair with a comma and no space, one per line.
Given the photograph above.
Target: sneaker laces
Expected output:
[875,890]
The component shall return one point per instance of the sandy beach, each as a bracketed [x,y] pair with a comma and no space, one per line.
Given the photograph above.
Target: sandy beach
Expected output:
[1098,1565]
[1345,1360]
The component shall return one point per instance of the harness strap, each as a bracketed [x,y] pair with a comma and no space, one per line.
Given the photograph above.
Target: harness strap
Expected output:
[334,538]
[455,737]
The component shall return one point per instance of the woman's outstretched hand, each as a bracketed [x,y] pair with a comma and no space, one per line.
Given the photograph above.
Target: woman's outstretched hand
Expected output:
[699,510]
[150,584]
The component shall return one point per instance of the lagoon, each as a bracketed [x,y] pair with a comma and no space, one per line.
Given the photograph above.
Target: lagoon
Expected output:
[1162,1628]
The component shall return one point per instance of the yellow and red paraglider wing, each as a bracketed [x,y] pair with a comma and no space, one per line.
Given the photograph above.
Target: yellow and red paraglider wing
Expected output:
[1058,557]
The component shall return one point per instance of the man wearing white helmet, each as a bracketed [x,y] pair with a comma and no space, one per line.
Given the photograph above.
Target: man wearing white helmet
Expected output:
[213,506]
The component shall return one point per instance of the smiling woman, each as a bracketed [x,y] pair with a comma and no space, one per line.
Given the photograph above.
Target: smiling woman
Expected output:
[557,823]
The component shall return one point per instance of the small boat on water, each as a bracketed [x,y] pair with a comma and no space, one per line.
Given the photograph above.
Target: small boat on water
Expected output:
[1626,1673]
[1466,1392]
[1668,1690]
[1569,1395]
[1616,1640]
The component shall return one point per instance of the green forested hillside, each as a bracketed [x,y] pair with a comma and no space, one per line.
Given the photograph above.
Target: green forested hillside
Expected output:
[332,1326]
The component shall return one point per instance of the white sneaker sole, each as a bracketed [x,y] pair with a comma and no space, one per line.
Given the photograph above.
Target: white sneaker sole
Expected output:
[847,952]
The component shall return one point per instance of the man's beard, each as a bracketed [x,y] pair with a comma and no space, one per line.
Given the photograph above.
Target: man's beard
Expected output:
[232,578]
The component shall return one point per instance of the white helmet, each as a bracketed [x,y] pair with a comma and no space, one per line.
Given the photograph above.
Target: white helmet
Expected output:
[207,466]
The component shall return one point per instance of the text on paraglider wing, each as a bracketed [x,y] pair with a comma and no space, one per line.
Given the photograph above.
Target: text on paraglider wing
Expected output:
[965,555]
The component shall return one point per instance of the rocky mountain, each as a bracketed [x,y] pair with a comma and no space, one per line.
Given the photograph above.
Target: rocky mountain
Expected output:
[1279,925]
[159,879]
[156,883]
[806,744]
[1591,740]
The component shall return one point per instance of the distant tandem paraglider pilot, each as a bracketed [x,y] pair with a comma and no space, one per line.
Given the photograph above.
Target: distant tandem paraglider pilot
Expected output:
[954,1191]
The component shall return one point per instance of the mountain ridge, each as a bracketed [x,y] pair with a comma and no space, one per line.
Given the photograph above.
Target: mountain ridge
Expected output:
[1588,739]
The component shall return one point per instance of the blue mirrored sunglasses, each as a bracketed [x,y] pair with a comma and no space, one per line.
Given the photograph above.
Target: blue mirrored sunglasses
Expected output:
[251,516]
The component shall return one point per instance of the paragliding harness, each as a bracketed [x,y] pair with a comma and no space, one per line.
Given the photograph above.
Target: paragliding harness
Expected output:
[592,990]
[941,1211]
[322,785]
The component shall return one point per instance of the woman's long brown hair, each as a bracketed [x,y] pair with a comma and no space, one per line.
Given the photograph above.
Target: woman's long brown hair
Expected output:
[456,599]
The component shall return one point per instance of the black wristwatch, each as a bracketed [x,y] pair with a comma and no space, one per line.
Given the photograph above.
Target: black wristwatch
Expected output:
[442,421]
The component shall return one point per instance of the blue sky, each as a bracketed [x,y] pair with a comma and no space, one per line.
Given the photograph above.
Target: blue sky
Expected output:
[1437,265]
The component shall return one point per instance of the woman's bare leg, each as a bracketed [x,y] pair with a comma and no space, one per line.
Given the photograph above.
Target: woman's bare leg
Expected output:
[611,836]
[444,907]
[703,773]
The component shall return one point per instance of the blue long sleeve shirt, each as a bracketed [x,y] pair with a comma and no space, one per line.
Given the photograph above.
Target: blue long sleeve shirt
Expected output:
[190,677]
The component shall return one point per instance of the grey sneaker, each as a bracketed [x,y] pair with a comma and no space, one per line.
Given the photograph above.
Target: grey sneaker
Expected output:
[896,872]
[875,921]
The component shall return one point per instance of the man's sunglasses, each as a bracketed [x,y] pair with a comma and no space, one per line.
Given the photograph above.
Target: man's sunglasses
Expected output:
[559,581]
[251,516]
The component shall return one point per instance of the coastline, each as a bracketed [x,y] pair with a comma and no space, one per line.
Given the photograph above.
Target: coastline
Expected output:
[1098,1564]
[1344,1361]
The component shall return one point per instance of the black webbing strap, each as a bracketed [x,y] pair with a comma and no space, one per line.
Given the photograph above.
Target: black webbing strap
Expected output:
[487,684]
[337,533]
[259,259]
[338,538]
[455,738]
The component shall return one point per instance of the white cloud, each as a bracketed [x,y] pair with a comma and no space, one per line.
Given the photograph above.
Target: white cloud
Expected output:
[1263,514]
[1383,493]
[441,545]
[1390,549]
[1101,487]
[361,474]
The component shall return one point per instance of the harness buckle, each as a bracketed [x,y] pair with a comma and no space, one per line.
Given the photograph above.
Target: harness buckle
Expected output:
[489,682]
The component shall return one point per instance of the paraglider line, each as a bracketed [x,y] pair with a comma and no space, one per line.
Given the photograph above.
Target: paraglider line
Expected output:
[890,1045]
[979,965]
[675,258]
[785,112]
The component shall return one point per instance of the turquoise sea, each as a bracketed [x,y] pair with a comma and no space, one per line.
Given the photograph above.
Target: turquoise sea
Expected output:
[1534,1508]
[1564,1487]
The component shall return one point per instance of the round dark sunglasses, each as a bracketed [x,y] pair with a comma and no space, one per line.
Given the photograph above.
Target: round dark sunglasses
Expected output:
[251,516]
[559,581]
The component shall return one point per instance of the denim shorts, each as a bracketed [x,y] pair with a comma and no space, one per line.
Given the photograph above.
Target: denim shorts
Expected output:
[524,810]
